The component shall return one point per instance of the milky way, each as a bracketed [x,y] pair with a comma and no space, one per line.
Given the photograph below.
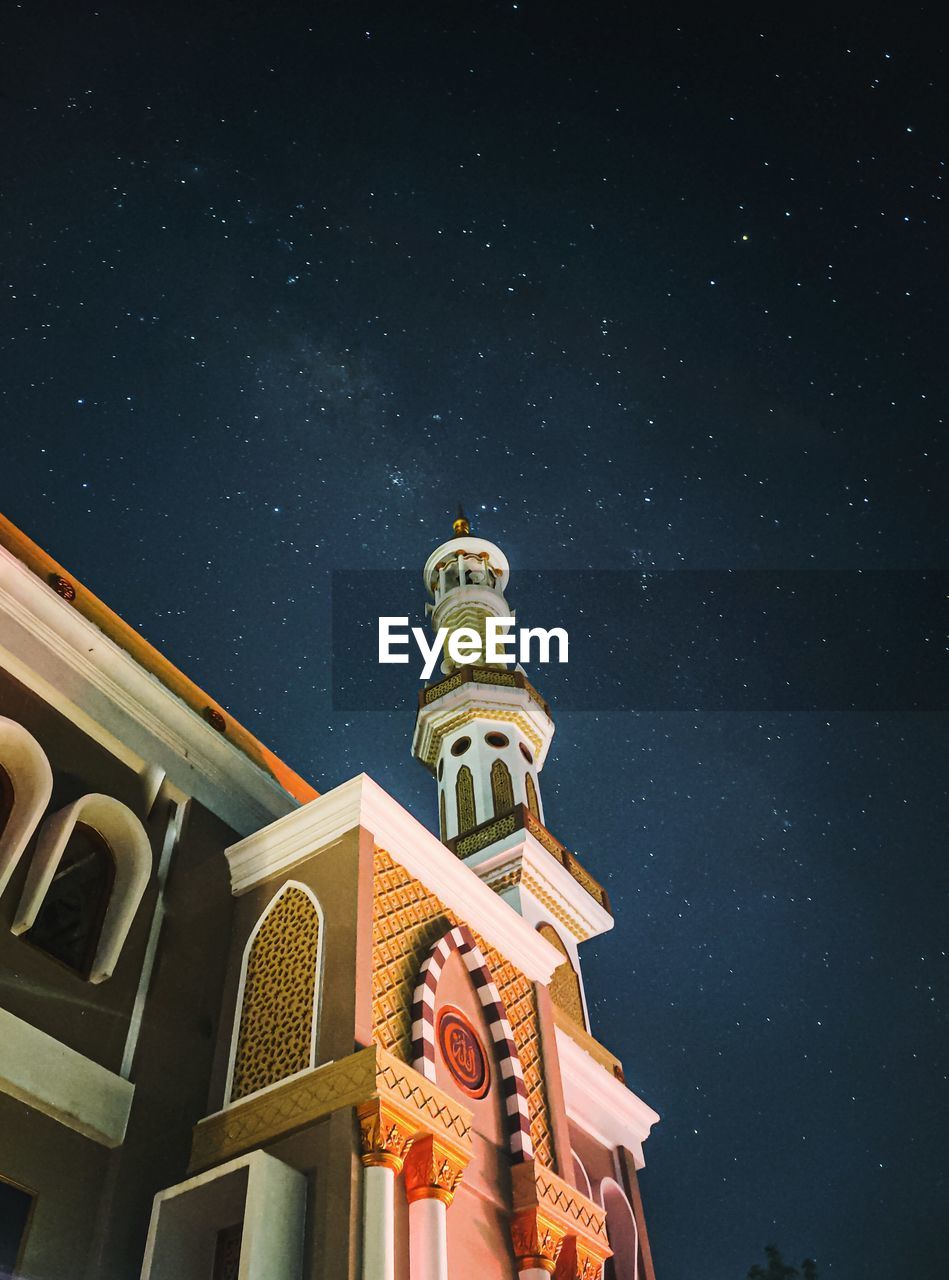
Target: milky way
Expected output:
[281,284]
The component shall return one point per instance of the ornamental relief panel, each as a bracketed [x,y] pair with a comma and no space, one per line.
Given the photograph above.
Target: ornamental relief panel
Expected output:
[275,1034]
[407,921]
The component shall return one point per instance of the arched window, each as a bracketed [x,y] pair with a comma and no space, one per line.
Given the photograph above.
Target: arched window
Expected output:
[465,800]
[277,1007]
[87,876]
[531,792]
[69,922]
[442,816]
[26,784]
[564,985]
[622,1232]
[502,788]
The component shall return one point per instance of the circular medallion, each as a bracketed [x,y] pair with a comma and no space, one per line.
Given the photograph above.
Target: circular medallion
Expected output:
[462,1052]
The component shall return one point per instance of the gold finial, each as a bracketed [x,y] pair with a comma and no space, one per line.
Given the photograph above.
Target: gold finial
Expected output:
[460,526]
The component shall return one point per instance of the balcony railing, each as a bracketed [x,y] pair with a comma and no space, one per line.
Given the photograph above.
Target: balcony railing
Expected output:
[480,675]
[520,818]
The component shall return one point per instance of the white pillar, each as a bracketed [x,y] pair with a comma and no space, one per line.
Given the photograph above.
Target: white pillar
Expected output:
[378,1223]
[428,1239]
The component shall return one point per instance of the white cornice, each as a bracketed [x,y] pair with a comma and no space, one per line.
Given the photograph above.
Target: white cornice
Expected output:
[538,872]
[61,1083]
[363,803]
[52,647]
[476,699]
[599,1103]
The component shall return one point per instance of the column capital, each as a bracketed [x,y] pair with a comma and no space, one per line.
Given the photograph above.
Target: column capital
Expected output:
[384,1135]
[433,1169]
[537,1240]
[580,1260]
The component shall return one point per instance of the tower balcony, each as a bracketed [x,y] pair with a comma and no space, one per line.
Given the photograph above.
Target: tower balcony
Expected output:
[480,675]
[520,819]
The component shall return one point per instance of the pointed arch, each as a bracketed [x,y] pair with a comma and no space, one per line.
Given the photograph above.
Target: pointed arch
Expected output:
[26,793]
[277,1016]
[465,800]
[564,984]
[442,817]
[127,841]
[623,1233]
[531,792]
[502,788]
[517,1116]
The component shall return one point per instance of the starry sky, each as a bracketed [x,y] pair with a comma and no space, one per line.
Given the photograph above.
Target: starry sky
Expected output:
[650,292]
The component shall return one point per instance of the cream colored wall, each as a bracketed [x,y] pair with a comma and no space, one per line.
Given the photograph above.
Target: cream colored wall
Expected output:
[479,1241]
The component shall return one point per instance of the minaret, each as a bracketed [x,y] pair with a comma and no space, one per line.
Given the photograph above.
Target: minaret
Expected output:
[484,732]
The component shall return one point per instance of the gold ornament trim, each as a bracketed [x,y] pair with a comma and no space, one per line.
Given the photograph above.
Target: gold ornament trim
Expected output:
[407,920]
[384,1136]
[537,1240]
[543,1201]
[510,875]
[370,1076]
[433,1170]
[474,712]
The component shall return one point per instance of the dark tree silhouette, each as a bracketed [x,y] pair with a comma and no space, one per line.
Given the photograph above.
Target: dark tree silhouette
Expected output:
[778,1269]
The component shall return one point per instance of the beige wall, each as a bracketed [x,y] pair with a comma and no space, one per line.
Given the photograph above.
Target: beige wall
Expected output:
[92,1205]
[91,1018]
[64,1171]
[333,874]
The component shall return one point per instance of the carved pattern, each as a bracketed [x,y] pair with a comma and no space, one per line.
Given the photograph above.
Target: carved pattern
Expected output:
[299,1102]
[588,1265]
[509,877]
[490,832]
[537,1240]
[502,788]
[432,1171]
[407,921]
[465,800]
[571,1205]
[384,1135]
[275,1038]
[516,1110]
[582,1223]
[444,686]
[564,985]
[531,791]
[441,729]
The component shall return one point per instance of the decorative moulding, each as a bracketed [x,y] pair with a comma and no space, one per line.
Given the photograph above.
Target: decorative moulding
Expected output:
[363,803]
[371,1075]
[131,852]
[523,865]
[600,1104]
[475,699]
[50,643]
[25,764]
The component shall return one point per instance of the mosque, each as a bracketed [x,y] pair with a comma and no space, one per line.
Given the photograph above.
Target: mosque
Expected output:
[249,1031]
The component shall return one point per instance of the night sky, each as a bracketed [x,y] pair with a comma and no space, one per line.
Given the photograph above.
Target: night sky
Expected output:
[281,284]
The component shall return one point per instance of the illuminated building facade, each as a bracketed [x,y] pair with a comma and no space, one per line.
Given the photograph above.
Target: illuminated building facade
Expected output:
[248,1030]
